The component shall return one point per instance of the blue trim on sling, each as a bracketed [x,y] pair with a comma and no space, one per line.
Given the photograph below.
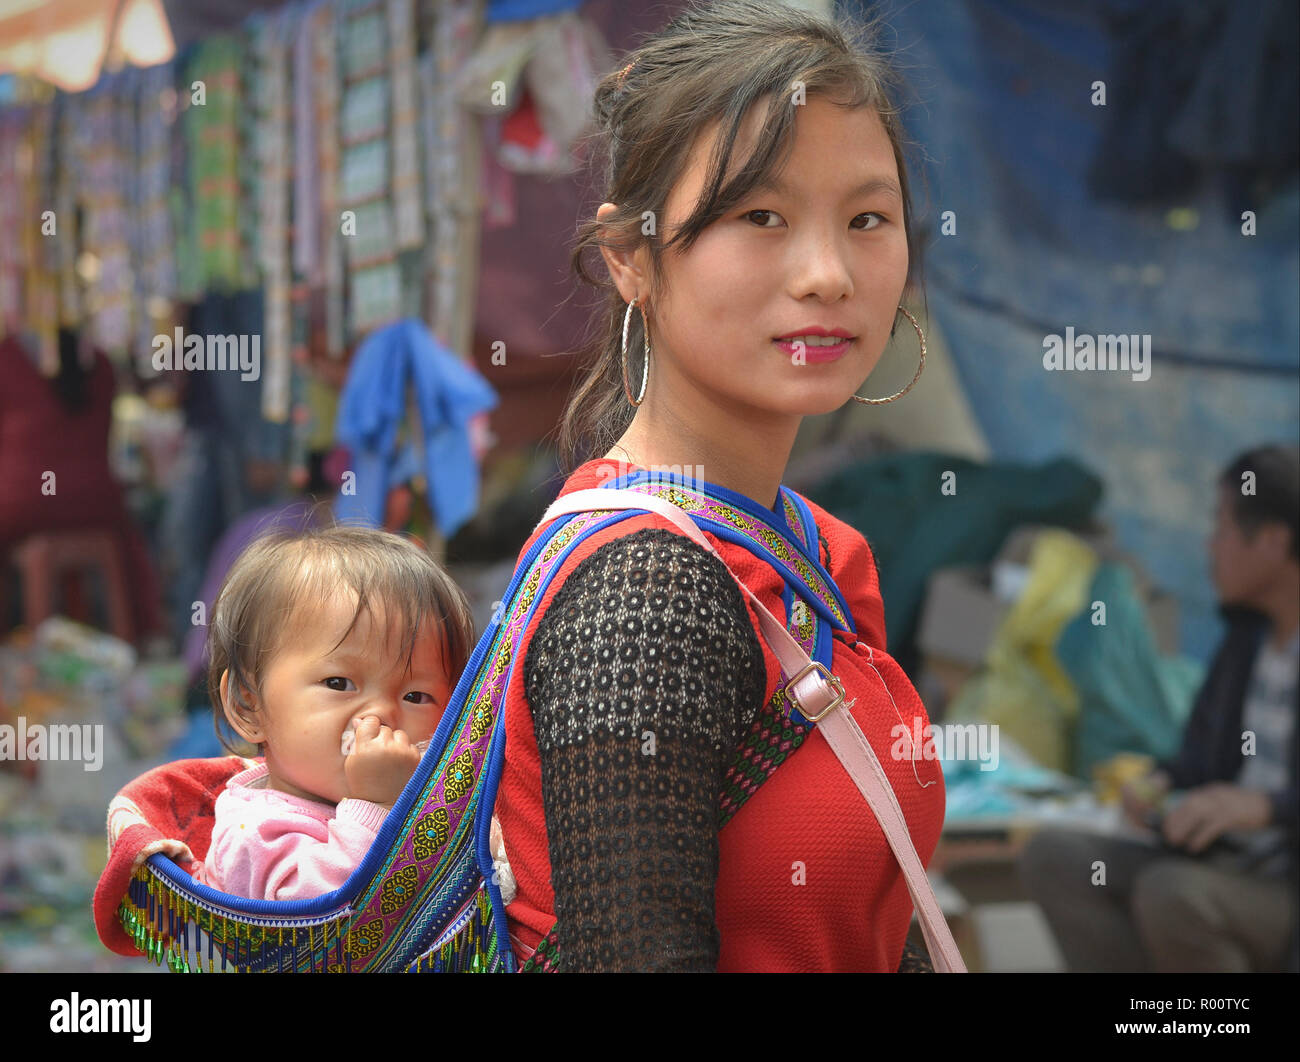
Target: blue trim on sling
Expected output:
[764,516]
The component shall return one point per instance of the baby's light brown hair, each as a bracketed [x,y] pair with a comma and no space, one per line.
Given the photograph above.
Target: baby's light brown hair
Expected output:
[274,582]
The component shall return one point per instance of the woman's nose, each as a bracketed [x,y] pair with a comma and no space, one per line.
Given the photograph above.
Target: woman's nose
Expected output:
[823,269]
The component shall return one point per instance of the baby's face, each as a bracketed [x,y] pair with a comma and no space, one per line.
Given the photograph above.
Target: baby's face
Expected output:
[313,693]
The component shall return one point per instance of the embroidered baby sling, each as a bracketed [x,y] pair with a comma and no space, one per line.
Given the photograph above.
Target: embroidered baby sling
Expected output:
[424,899]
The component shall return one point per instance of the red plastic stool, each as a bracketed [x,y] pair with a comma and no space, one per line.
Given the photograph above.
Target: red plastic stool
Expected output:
[42,558]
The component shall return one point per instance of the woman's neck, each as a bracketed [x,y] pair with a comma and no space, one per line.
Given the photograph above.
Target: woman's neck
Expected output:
[744,453]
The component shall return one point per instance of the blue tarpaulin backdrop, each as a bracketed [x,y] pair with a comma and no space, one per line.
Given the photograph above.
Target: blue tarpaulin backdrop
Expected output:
[1001,102]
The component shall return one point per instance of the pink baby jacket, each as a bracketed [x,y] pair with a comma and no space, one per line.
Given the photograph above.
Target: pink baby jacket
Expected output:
[269,845]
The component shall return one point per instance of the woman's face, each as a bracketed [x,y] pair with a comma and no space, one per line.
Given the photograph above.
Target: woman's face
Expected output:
[824,248]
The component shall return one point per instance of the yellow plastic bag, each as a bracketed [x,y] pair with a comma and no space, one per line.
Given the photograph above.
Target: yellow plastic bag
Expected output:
[1023,689]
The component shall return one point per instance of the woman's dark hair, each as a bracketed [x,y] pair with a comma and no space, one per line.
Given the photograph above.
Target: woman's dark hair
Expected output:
[712,63]
[1275,498]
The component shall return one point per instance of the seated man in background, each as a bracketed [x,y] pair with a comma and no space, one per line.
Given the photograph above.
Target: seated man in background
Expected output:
[1217,893]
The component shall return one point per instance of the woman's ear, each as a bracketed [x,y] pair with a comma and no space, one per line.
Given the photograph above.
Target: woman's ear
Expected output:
[242,717]
[625,267]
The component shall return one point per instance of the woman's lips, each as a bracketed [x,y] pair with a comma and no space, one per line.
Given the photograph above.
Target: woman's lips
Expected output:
[792,348]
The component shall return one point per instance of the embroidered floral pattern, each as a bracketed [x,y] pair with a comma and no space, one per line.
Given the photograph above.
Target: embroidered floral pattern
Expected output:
[366,938]
[399,889]
[431,834]
[482,723]
[460,776]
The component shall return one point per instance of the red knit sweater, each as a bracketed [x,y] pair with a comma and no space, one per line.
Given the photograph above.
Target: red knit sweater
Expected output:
[806,879]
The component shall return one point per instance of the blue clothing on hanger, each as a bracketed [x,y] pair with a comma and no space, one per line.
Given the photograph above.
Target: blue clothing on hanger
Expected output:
[447,394]
[518,10]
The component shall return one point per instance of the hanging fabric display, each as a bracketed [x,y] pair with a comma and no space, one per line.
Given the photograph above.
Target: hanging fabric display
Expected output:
[319,154]
[153,245]
[180,209]
[305,208]
[69,110]
[212,134]
[102,167]
[39,245]
[408,209]
[537,76]
[306,176]
[452,155]
[305,202]
[365,176]
[272,139]
[325,270]
[248,166]
[12,125]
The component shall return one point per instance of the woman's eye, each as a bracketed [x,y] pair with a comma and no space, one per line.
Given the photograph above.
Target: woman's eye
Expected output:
[340,684]
[764,214]
[416,697]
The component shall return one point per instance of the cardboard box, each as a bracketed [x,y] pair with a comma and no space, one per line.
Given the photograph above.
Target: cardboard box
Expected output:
[960,616]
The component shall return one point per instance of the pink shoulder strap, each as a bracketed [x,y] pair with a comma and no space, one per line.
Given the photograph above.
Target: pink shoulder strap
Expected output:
[819,700]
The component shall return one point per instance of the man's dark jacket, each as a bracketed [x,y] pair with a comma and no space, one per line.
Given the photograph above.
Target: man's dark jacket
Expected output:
[1211,746]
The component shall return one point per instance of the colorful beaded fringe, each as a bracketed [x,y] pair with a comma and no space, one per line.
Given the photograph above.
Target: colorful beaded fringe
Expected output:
[187,937]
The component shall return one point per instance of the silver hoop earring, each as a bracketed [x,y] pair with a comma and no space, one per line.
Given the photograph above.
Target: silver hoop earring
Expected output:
[881,401]
[645,364]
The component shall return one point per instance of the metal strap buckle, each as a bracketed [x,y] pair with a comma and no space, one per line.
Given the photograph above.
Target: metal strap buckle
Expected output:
[834,683]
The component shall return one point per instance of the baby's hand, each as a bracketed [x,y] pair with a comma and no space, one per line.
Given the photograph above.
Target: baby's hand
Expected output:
[381,762]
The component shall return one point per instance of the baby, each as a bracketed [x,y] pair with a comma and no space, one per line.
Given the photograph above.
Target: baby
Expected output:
[336,651]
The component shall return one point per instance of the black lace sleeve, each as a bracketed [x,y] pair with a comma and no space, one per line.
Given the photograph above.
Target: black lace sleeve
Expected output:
[641,677]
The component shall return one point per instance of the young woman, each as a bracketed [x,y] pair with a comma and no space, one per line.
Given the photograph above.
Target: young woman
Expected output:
[664,805]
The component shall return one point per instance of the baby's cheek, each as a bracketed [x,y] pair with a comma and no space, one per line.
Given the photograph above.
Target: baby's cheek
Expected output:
[424,726]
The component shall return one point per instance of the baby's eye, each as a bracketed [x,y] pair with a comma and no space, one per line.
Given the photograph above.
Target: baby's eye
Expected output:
[417,697]
[879,221]
[749,215]
[340,684]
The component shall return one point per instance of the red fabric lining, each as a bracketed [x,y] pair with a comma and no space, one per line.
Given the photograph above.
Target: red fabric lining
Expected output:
[176,801]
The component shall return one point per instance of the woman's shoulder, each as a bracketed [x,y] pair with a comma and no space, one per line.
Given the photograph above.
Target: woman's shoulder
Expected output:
[643,563]
[673,548]
[851,562]
[646,627]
